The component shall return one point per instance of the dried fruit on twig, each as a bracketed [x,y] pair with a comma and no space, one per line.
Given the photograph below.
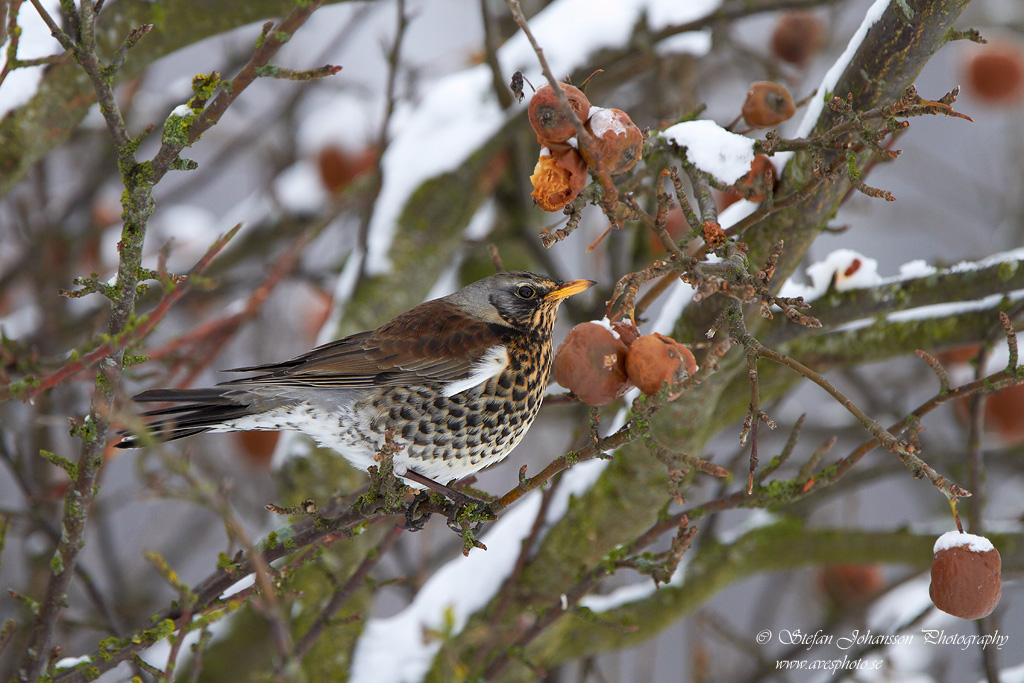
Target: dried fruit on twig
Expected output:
[1003,411]
[339,166]
[754,185]
[724,200]
[546,115]
[653,360]
[557,179]
[797,37]
[618,142]
[1003,408]
[767,104]
[626,330]
[965,575]
[591,364]
[847,585]
[995,73]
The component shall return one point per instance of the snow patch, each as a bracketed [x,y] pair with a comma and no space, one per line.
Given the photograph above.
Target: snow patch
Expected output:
[606,324]
[679,295]
[850,270]
[299,188]
[633,592]
[831,78]
[989,261]
[915,269]
[239,586]
[711,148]
[937,310]
[955,539]
[857,271]
[603,120]
[72,662]
[696,43]
[395,649]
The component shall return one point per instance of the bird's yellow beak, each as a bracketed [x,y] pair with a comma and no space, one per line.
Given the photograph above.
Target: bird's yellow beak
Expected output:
[568,289]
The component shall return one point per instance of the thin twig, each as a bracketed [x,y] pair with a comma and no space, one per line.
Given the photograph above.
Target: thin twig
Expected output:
[133,336]
[342,595]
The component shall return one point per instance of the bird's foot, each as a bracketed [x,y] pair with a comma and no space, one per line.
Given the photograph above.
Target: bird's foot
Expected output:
[466,514]
[413,522]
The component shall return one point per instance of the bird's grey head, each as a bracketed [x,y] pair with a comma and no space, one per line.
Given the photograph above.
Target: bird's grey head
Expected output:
[517,299]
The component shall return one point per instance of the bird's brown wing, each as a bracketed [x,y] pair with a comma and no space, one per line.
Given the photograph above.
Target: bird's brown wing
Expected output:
[434,342]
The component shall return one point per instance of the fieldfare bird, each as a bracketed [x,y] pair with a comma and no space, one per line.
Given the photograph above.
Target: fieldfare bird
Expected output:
[456,381]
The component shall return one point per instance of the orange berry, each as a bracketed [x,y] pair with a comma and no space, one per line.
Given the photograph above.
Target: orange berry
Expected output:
[767,104]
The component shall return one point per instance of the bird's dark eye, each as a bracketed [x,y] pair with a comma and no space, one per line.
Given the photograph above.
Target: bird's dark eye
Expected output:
[525,292]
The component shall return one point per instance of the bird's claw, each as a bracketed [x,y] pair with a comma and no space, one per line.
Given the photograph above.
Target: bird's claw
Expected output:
[412,522]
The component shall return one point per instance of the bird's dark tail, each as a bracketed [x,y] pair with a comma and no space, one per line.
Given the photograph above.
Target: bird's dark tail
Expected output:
[197,411]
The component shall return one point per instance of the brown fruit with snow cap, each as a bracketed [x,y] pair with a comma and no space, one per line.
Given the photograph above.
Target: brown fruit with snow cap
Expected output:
[546,114]
[965,575]
[591,364]
[653,360]
[618,143]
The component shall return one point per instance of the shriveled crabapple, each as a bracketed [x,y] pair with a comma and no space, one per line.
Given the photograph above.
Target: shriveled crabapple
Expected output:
[653,360]
[591,364]
[797,37]
[339,166]
[994,73]
[557,179]
[753,186]
[767,104]
[626,330]
[618,143]
[546,115]
[847,585]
